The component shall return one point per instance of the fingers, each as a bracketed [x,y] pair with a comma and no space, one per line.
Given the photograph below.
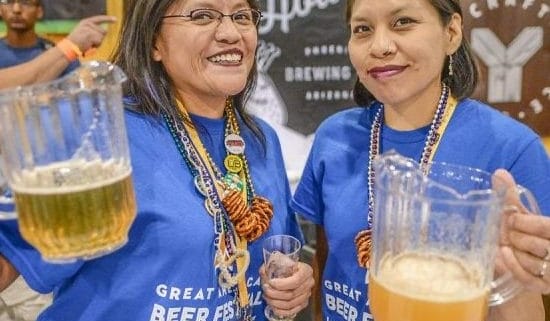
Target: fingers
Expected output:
[288,296]
[89,33]
[531,224]
[529,238]
[288,308]
[503,181]
[526,269]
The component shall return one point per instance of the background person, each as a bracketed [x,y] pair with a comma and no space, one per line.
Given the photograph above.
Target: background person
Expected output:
[190,68]
[21,42]
[87,35]
[416,72]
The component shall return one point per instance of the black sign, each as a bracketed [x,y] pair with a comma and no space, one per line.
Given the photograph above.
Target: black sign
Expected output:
[72,9]
[305,73]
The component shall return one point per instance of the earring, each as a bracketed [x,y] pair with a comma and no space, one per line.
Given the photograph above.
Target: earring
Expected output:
[451,73]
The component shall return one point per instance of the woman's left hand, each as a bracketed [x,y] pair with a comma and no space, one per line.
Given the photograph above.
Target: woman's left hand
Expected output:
[288,296]
[525,242]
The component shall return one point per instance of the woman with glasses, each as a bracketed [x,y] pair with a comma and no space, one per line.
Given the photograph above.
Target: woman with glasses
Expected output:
[209,180]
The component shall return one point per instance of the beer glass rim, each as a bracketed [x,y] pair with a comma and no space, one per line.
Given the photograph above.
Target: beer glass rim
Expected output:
[294,239]
[495,192]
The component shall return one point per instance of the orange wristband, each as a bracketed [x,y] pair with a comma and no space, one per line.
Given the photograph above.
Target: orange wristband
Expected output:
[69,49]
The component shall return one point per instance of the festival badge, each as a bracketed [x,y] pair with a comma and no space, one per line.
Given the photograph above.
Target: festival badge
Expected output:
[233,163]
[234,144]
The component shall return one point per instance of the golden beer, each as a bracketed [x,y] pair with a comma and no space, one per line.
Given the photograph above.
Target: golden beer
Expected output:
[70,211]
[416,286]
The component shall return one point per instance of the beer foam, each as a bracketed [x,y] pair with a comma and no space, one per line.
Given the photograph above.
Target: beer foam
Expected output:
[70,176]
[430,276]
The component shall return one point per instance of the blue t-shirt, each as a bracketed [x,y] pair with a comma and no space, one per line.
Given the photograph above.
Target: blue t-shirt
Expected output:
[166,270]
[333,190]
[11,56]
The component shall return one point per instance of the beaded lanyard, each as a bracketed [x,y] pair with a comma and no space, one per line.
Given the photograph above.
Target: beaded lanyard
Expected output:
[226,199]
[445,109]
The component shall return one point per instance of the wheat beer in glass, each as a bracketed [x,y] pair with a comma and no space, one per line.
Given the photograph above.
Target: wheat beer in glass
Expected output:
[435,236]
[66,160]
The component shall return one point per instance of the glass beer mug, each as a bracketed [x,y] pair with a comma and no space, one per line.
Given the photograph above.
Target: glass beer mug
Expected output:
[66,160]
[435,237]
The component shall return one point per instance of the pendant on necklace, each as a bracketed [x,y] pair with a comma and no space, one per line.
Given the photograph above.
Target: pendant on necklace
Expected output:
[363,242]
[209,205]
[250,222]
[232,181]
[199,185]
[233,163]
[234,144]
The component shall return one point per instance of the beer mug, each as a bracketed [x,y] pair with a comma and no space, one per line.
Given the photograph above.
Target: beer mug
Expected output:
[66,161]
[435,239]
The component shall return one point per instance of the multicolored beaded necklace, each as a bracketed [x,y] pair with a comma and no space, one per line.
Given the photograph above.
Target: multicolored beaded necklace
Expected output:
[239,215]
[442,116]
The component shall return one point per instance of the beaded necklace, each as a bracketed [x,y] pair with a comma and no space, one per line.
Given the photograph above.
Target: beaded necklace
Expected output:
[442,116]
[239,215]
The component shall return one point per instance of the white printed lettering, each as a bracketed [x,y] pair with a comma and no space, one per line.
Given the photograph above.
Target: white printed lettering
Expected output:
[158,313]
[287,12]
[342,307]
[173,314]
[187,293]
[255,298]
[224,312]
[162,290]
[175,293]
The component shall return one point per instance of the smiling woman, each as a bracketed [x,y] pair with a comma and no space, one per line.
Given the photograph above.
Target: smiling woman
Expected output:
[209,180]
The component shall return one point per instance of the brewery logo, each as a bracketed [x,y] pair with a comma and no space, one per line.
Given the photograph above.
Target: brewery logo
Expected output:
[305,73]
[233,163]
[512,42]
[284,11]
[266,102]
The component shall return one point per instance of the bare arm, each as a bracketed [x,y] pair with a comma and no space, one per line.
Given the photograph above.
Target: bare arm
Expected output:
[8,273]
[88,34]
[47,66]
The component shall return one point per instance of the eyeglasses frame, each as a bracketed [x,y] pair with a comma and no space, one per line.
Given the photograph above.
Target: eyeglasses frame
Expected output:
[222,15]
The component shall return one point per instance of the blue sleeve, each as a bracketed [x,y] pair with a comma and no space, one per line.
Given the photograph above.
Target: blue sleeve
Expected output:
[307,200]
[531,169]
[41,276]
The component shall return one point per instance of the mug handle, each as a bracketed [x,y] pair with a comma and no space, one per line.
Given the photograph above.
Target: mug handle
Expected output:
[506,286]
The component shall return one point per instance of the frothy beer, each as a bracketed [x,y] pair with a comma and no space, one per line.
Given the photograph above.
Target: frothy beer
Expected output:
[419,286]
[75,209]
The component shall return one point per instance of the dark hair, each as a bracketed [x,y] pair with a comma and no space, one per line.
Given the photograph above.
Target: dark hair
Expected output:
[465,70]
[148,82]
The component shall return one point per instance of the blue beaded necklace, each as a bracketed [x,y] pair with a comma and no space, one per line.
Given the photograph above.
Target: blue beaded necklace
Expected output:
[443,113]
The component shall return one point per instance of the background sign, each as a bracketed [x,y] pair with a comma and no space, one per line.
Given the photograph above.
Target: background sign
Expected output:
[304,54]
[512,42]
[305,73]
[72,9]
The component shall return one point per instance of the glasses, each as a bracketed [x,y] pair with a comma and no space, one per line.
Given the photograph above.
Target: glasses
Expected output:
[243,19]
[27,3]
